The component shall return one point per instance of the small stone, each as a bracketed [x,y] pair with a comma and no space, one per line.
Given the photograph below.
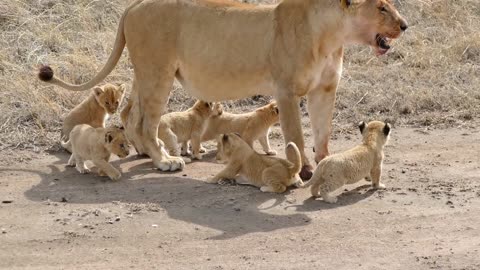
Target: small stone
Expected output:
[7,201]
[4,231]
[117,219]
[449,203]
[154,225]
[64,200]
[236,209]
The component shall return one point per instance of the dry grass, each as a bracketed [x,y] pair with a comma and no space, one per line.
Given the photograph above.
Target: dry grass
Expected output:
[431,77]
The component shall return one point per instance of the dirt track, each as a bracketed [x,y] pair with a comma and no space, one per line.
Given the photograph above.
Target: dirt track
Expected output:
[428,218]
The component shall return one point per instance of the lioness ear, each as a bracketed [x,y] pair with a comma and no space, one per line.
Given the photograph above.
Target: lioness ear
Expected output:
[361,126]
[97,90]
[108,137]
[386,129]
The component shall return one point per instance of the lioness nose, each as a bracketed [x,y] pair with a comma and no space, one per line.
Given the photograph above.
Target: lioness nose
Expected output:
[403,25]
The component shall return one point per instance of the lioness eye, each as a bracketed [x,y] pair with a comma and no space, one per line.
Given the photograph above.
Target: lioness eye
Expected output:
[383,9]
[108,103]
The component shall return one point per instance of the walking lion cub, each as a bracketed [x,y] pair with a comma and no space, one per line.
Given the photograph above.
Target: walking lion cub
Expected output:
[364,160]
[96,144]
[251,126]
[270,174]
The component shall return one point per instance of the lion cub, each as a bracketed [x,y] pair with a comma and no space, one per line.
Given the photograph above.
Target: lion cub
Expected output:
[96,144]
[94,109]
[251,126]
[364,160]
[271,174]
[182,127]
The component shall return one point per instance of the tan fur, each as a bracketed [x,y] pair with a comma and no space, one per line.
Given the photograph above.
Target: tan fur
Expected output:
[96,144]
[223,50]
[94,109]
[251,126]
[271,174]
[182,127]
[364,160]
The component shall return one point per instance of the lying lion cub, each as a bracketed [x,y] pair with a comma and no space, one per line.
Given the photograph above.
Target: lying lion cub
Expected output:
[364,160]
[251,126]
[271,174]
[94,109]
[96,144]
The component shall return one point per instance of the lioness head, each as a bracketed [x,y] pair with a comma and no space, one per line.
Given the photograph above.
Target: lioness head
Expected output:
[375,132]
[109,96]
[374,23]
[116,142]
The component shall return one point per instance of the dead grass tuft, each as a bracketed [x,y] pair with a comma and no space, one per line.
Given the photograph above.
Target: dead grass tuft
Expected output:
[431,77]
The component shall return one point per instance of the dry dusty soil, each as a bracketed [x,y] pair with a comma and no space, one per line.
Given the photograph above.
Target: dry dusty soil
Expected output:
[51,217]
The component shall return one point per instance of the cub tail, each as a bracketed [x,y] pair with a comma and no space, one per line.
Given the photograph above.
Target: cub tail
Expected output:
[293,155]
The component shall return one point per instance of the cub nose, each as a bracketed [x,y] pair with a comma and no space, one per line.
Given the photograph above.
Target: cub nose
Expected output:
[403,25]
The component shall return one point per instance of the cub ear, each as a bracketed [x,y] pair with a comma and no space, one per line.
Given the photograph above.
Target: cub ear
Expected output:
[97,91]
[345,3]
[122,88]
[275,109]
[108,137]
[386,129]
[361,126]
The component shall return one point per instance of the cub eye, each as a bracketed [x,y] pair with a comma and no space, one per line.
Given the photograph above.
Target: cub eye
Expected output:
[122,145]
[108,103]
[383,9]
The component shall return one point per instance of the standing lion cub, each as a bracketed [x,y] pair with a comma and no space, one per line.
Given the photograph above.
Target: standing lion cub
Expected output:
[94,109]
[271,174]
[179,127]
[251,126]
[364,160]
[96,144]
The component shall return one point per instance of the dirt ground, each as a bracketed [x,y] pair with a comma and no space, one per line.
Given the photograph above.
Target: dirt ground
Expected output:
[51,217]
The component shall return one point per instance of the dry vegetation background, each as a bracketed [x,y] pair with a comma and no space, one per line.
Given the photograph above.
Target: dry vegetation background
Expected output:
[431,77]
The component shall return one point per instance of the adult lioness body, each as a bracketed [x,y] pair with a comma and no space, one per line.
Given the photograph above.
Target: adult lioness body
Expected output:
[222,50]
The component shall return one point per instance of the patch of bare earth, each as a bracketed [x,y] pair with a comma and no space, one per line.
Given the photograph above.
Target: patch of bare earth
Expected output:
[51,217]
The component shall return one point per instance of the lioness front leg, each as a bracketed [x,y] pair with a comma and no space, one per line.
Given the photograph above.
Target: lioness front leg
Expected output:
[105,168]
[321,102]
[289,107]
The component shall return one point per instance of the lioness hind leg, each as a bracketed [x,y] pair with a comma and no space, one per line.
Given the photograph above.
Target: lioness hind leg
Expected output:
[71,161]
[153,91]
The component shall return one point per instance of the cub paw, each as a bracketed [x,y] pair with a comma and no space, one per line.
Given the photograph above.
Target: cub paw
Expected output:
[203,150]
[115,176]
[271,152]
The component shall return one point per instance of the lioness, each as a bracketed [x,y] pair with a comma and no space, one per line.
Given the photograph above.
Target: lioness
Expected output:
[223,50]
[103,100]
[97,145]
[270,174]
[251,126]
[364,160]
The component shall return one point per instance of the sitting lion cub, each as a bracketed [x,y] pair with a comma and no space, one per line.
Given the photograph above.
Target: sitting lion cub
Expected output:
[251,126]
[96,144]
[271,174]
[94,109]
[364,160]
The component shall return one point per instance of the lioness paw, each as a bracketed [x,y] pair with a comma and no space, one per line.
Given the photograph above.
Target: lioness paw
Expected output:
[379,186]
[115,175]
[212,180]
[170,164]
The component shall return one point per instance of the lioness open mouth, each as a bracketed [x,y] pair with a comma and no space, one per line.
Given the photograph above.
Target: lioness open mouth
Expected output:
[382,43]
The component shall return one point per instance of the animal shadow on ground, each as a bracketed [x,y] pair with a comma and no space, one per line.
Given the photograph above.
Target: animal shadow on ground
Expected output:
[345,198]
[233,210]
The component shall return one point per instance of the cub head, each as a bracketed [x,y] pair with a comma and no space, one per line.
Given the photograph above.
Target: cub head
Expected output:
[230,143]
[217,109]
[374,23]
[116,142]
[375,132]
[271,111]
[205,109]
[109,96]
